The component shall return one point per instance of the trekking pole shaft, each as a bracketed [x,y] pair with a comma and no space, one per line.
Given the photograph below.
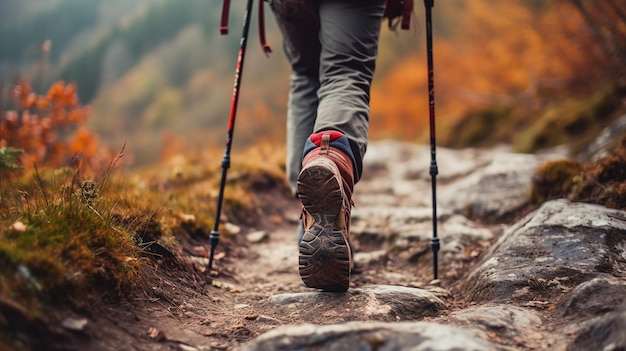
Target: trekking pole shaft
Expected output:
[215,235]
[434,243]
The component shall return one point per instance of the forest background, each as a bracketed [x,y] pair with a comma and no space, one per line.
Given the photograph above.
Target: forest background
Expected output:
[157,75]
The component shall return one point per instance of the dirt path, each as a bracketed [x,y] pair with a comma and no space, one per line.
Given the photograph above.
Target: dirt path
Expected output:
[184,312]
[181,309]
[233,309]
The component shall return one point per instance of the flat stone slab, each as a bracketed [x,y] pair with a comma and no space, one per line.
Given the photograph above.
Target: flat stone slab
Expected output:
[519,326]
[381,302]
[368,336]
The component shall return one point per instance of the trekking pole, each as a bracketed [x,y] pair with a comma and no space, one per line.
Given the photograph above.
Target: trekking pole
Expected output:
[214,238]
[434,243]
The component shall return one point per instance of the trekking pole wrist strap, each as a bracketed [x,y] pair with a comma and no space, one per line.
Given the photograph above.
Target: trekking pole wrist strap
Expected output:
[224,24]
[224,20]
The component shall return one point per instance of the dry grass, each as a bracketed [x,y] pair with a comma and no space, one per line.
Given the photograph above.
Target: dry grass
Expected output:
[69,241]
[531,127]
[575,122]
[60,239]
[602,182]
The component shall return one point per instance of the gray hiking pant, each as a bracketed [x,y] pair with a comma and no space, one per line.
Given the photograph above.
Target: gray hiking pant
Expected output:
[332,47]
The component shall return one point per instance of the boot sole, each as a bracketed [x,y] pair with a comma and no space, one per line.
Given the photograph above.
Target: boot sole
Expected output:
[324,261]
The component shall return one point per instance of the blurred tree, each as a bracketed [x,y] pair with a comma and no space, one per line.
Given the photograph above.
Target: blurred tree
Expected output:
[115,63]
[515,54]
[48,128]
[606,27]
[162,22]
[60,25]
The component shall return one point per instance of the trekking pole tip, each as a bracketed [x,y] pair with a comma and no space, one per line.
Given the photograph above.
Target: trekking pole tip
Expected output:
[434,244]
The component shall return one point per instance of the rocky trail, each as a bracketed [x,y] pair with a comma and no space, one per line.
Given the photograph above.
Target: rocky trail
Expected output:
[511,277]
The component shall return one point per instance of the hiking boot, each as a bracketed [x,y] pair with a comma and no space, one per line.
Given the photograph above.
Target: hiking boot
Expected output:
[325,187]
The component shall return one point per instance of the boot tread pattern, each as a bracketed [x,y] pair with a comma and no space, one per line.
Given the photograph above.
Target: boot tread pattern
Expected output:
[324,261]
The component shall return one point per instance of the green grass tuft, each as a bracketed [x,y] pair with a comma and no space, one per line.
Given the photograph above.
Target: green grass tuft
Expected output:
[61,242]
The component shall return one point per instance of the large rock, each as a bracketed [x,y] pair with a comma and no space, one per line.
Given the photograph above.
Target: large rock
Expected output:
[508,324]
[370,336]
[397,174]
[595,297]
[380,302]
[406,161]
[553,280]
[604,333]
[402,228]
[493,192]
[553,250]
[487,184]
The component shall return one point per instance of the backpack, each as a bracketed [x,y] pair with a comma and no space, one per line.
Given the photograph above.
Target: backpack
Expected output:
[398,12]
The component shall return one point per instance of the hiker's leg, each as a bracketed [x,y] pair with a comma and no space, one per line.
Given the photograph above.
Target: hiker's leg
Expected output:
[299,24]
[349,33]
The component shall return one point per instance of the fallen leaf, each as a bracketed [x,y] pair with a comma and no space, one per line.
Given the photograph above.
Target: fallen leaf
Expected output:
[185,306]
[276,219]
[237,326]
[156,334]
[538,304]
[494,336]
[200,251]
[268,319]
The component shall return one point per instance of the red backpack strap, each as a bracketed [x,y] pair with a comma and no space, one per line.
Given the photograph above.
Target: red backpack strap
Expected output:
[398,12]
[266,48]
[224,22]
[406,14]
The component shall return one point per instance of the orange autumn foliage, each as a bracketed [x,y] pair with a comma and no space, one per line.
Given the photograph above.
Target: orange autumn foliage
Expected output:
[499,54]
[48,128]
